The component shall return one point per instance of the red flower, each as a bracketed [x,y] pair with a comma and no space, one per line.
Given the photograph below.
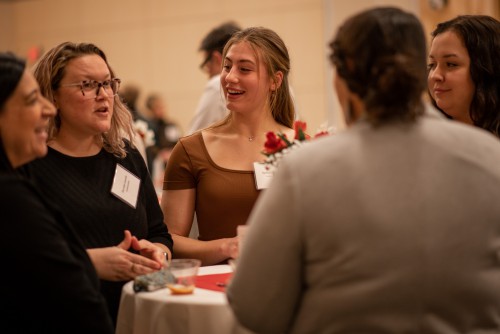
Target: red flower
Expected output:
[274,143]
[300,130]
[277,142]
[321,134]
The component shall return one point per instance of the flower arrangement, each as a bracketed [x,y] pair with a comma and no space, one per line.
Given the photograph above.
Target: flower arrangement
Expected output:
[277,144]
[147,135]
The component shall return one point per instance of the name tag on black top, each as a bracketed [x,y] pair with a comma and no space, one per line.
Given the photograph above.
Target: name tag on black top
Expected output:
[126,186]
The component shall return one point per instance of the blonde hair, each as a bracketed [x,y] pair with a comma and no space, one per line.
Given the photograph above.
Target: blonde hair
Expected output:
[49,72]
[274,54]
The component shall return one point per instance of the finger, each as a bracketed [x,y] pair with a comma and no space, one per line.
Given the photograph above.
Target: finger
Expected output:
[160,256]
[155,253]
[142,270]
[145,262]
[127,240]
[135,244]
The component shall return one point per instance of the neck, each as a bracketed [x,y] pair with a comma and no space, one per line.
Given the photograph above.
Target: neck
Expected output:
[354,110]
[76,147]
[250,129]
[463,117]
[12,160]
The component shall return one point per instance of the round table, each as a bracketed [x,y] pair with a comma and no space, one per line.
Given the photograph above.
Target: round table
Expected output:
[204,311]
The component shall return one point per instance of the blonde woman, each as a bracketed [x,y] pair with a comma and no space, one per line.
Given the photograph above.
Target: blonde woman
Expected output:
[94,174]
[211,172]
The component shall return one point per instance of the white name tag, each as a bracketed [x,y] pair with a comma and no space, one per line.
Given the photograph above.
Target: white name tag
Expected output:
[126,186]
[263,175]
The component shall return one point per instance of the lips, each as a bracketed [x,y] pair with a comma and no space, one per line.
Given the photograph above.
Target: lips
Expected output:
[440,90]
[102,109]
[234,92]
[41,131]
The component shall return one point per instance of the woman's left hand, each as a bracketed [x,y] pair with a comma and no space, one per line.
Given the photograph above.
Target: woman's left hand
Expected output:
[150,250]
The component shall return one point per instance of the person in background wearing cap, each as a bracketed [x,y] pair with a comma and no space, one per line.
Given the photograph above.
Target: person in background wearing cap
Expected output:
[212,105]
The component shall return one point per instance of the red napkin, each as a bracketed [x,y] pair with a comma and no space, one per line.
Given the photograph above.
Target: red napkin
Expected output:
[214,282]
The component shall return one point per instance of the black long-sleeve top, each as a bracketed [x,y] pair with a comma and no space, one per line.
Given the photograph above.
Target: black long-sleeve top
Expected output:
[81,188]
[49,284]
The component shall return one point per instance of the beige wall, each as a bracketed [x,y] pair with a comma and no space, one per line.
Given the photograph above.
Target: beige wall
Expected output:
[431,17]
[335,12]
[154,43]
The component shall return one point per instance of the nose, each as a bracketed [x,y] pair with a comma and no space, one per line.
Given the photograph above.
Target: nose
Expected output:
[48,109]
[231,76]
[436,73]
[97,93]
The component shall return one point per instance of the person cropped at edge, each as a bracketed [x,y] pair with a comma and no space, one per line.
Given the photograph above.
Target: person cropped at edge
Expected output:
[95,176]
[392,226]
[464,70]
[211,171]
[212,105]
[51,286]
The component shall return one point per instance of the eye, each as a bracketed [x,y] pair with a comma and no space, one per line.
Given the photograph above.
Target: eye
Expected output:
[106,83]
[89,85]
[430,66]
[32,100]
[244,69]
[451,64]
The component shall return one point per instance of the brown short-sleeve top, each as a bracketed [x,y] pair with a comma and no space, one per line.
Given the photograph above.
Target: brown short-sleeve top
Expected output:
[224,197]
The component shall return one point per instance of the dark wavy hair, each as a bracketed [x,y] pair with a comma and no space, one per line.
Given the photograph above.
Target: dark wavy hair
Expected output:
[11,71]
[218,37]
[381,54]
[481,37]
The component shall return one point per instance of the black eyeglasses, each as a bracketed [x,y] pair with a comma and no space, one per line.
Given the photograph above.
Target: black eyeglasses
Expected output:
[90,88]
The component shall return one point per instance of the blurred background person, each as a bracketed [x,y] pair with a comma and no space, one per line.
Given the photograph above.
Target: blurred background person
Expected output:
[166,134]
[53,276]
[129,95]
[93,173]
[464,70]
[211,172]
[391,226]
[212,105]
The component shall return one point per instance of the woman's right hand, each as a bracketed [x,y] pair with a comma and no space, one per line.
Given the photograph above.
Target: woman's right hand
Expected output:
[118,264]
[230,248]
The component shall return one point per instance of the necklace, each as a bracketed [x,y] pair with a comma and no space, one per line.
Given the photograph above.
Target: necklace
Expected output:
[251,138]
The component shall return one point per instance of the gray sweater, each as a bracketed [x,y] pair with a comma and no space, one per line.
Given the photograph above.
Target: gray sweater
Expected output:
[391,229]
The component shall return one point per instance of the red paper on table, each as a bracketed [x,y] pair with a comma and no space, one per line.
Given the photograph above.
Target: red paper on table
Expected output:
[215,282]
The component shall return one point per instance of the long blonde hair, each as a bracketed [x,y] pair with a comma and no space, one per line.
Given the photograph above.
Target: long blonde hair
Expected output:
[274,54]
[49,72]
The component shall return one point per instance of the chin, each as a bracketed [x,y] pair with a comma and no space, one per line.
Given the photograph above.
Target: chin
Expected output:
[103,128]
[40,151]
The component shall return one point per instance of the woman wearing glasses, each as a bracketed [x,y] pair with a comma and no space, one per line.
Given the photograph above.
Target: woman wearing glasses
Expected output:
[93,172]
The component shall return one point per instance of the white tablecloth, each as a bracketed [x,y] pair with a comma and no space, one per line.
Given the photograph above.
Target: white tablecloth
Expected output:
[204,311]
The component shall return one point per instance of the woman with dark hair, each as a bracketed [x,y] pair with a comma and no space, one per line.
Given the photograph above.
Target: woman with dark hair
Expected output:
[49,283]
[464,70]
[94,173]
[392,226]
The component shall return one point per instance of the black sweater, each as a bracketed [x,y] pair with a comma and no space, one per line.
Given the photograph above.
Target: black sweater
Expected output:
[49,283]
[81,188]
